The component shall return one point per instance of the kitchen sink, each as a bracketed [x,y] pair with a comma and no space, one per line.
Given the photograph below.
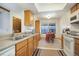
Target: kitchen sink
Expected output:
[21,36]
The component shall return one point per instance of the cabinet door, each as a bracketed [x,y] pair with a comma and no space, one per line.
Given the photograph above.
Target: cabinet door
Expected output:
[30,47]
[21,48]
[77,41]
[35,42]
[27,51]
[16,25]
[38,37]
[74,8]
[21,52]
[77,5]
[21,44]
[37,26]
[77,49]
[77,46]
[28,17]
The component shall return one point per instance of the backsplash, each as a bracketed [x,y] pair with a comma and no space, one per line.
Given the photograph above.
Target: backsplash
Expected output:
[29,29]
[7,36]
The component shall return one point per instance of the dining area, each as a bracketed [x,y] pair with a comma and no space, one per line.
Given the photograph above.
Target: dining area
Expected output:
[50,36]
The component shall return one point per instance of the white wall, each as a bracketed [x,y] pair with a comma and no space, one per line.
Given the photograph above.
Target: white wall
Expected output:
[44,21]
[58,28]
[4,23]
[19,15]
[0,21]
[65,21]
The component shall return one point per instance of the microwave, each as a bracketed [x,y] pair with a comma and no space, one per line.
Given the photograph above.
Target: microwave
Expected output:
[75,19]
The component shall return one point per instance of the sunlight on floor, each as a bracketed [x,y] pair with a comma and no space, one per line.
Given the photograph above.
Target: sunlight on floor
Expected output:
[56,45]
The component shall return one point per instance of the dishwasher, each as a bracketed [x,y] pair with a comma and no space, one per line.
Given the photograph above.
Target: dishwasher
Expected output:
[10,51]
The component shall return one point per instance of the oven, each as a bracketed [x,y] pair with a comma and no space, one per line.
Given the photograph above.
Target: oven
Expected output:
[69,45]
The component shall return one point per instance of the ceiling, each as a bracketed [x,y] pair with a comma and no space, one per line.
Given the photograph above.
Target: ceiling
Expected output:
[43,10]
[45,7]
[52,10]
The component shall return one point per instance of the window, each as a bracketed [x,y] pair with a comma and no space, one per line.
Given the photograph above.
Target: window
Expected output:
[45,28]
[52,27]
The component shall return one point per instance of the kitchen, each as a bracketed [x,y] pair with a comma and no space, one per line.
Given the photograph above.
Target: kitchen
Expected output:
[28,23]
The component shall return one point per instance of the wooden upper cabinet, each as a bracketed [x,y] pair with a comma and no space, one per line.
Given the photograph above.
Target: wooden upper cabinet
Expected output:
[74,8]
[28,18]
[77,5]
[37,26]
[16,25]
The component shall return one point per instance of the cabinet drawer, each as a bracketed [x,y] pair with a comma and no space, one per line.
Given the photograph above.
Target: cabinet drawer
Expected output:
[21,44]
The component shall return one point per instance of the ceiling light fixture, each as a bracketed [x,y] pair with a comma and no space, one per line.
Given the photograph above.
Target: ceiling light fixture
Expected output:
[50,15]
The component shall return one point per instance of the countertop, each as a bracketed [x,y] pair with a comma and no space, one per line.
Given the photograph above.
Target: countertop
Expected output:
[69,35]
[16,41]
[8,42]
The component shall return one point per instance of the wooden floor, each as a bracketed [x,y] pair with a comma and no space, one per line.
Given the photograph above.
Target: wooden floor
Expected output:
[49,48]
[56,45]
[48,52]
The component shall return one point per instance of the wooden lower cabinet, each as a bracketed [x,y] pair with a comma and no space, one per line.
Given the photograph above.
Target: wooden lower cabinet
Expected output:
[35,42]
[77,49]
[27,47]
[21,52]
[30,49]
[77,46]
[38,37]
[30,46]
[21,48]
